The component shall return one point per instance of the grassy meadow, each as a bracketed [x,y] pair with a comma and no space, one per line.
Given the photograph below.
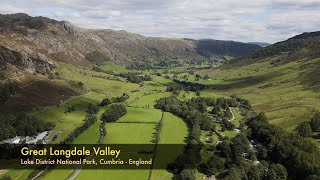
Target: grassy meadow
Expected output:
[67,122]
[95,81]
[282,92]
[174,131]
[149,101]
[140,115]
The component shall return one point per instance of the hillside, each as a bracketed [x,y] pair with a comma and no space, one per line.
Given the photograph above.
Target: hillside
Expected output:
[282,79]
[262,44]
[43,38]
[62,84]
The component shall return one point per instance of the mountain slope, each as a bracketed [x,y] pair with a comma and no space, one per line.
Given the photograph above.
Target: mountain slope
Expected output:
[262,44]
[282,79]
[66,42]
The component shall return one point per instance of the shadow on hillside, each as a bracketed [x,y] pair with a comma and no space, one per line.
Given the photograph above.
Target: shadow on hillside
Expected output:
[243,82]
[310,77]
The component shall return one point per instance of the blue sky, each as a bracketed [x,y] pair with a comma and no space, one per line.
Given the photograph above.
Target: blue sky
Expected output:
[245,20]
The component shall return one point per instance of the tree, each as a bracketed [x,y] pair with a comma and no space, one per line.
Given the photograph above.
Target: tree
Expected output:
[315,122]
[92,109]
[105,102]
[216,164]
[304,129]
[196,132]
[225,148]
[188,174]
[197,92]
[280,170]
[240,145]
[255,173]
[113,113]
[80,84]
[234,174]
[262,153]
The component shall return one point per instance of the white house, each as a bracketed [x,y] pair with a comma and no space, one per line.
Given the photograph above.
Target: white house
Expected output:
[14,140]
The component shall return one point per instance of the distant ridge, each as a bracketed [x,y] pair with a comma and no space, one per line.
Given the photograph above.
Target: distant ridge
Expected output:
[262,44]
[64,41]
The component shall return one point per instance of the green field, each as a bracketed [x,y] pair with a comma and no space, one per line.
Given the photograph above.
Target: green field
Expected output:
[209,93]
[174,131]
[95,81]
[67,122]
[135,96]
[109,66]
[150,100]
[57,174]
[154,86]
[129,133]
[140,115]
[89,136]
[16,174]
[140,174]
[163,80]
[138,126]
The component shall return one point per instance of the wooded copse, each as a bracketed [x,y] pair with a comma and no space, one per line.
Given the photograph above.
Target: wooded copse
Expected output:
[113,113]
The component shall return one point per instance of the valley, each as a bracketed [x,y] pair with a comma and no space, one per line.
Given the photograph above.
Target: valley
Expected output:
[233,109]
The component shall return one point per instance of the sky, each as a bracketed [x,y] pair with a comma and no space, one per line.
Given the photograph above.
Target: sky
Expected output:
[239,20]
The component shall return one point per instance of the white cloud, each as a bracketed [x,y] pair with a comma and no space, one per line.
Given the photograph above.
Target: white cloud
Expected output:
[245,20]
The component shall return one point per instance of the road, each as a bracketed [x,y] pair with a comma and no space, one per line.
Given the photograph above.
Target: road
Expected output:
[232,115]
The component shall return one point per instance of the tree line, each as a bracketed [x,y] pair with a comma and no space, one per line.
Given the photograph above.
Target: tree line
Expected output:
[90,119]
[113,113]
[107,101]
[23,125]
[133,77]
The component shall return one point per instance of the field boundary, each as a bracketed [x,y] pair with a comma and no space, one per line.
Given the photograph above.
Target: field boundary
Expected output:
[156,145]
[75,173]
[135,122]
[64,102]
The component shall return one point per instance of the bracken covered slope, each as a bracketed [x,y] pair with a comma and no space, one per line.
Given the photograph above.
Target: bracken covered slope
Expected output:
[282,79]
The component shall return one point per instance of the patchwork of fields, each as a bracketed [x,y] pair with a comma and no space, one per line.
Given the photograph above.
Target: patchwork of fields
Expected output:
[291,105]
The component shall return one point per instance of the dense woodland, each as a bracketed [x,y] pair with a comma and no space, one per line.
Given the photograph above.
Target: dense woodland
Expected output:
[280,155]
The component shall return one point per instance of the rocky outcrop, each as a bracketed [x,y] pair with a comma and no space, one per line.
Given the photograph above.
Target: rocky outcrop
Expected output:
[71,28]
[23,60]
